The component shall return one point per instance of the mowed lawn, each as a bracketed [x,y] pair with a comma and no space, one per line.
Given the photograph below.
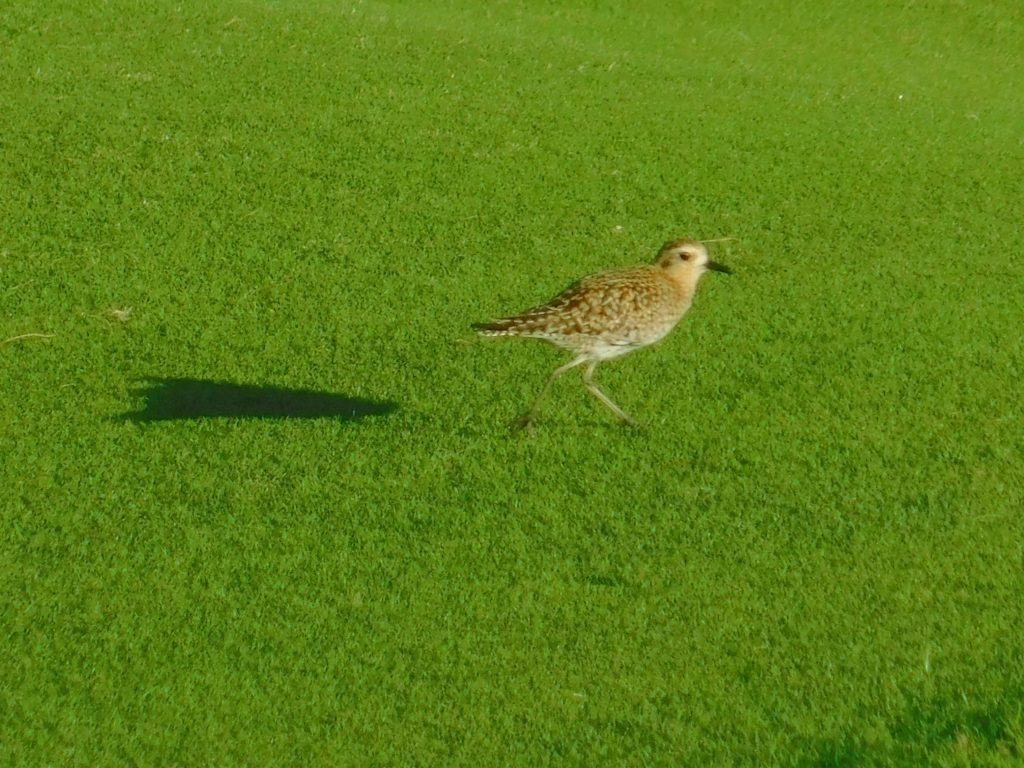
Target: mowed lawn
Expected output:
[259,499]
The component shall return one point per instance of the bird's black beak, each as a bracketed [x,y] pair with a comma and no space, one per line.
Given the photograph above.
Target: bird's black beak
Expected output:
[719,267]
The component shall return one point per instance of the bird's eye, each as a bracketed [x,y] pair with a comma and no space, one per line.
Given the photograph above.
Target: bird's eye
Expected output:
[684,256]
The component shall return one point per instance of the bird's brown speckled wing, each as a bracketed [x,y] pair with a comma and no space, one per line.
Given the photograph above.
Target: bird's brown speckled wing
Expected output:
[606,304]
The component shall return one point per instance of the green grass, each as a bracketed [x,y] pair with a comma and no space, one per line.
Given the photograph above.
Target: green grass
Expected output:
[811,556]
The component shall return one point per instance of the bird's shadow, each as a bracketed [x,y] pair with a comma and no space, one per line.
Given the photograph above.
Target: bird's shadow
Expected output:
[173,399]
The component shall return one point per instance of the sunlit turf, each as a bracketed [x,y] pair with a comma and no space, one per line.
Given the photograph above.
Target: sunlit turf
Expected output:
[811,554]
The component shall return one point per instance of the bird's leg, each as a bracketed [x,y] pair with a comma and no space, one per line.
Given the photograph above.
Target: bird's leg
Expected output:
[588,376]
[526,420]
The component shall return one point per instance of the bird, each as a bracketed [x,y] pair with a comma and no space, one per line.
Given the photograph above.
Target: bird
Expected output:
[610,314]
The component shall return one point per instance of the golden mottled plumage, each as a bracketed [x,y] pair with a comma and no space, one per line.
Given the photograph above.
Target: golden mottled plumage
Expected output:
[612,313]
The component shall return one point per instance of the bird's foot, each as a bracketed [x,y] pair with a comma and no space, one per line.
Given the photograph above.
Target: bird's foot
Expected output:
[628,420]
[524,423]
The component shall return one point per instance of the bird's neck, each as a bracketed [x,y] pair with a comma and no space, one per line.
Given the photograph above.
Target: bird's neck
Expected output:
[685,281]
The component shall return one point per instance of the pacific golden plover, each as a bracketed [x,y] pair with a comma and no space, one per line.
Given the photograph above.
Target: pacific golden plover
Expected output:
[612,313]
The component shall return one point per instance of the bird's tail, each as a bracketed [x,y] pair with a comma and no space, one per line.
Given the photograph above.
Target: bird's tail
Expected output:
[501,327]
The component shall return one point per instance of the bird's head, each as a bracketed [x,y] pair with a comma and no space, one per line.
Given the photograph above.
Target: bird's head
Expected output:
[687,260]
